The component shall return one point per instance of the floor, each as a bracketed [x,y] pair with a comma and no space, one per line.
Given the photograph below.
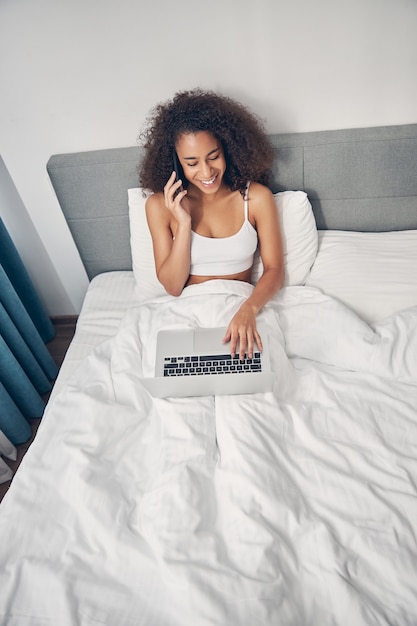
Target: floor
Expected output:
[65,328]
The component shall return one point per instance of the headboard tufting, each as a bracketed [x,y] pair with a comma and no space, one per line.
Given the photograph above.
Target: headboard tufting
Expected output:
[357,179]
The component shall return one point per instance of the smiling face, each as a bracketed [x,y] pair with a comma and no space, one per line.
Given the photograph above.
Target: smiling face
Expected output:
[202,159]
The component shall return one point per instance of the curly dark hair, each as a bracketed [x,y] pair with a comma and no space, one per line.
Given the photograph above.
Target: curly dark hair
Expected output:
[247,149]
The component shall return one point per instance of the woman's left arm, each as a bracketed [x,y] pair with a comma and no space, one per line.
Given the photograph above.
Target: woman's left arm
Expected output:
[264,212]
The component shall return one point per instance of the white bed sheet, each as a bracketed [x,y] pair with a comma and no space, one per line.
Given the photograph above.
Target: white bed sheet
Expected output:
[108,297]
[294,507]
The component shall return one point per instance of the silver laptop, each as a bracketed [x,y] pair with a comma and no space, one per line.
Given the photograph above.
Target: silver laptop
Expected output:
[196,362]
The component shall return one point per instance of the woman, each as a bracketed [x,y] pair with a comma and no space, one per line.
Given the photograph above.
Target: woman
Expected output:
[208,224]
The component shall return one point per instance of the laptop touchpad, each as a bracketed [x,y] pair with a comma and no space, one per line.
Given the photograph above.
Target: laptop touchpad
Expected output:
[209,340]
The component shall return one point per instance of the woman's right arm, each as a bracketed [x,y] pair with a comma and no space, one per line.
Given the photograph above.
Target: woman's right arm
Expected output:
[171,254]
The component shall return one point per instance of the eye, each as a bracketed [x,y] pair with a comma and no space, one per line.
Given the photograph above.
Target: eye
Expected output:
[214,158]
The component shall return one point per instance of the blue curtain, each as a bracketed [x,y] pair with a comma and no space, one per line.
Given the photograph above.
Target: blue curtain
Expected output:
[26,367]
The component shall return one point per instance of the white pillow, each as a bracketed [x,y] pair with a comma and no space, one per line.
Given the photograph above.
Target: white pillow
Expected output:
[299,231]
[375,274]
[300,238]
[143,264]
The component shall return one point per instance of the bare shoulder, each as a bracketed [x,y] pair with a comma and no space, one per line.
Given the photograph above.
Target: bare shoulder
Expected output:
[260,199]
[259,193]
[155,201]
[156,210]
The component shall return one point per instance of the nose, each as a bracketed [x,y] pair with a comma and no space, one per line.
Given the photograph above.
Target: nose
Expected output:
[206,169]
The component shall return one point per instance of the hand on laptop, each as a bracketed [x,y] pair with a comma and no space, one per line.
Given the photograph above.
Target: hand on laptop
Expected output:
[242,332]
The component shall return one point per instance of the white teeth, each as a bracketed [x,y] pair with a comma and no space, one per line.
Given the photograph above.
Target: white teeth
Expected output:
[208,182]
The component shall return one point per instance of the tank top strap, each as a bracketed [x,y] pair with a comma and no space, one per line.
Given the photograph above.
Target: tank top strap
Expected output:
[246,201]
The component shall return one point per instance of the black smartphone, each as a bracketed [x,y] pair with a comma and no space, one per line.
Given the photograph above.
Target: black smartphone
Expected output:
[177,167]
[179,174]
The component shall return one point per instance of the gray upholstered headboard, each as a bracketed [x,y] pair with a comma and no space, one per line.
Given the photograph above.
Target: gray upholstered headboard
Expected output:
[358,179]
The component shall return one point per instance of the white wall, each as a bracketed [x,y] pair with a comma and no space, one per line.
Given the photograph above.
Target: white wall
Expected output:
[83,75]
[23,233]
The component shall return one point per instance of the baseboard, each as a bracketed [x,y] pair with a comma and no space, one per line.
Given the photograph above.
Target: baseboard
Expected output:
[64,320]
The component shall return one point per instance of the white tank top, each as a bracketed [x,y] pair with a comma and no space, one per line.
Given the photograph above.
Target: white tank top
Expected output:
[211,256]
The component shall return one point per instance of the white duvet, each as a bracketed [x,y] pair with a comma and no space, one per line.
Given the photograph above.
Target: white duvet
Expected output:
[296,507]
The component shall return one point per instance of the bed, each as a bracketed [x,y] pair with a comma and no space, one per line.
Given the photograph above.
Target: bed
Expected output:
[294,507]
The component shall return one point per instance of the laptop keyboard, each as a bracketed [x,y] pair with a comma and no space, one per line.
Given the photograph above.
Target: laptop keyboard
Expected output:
[211,364]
